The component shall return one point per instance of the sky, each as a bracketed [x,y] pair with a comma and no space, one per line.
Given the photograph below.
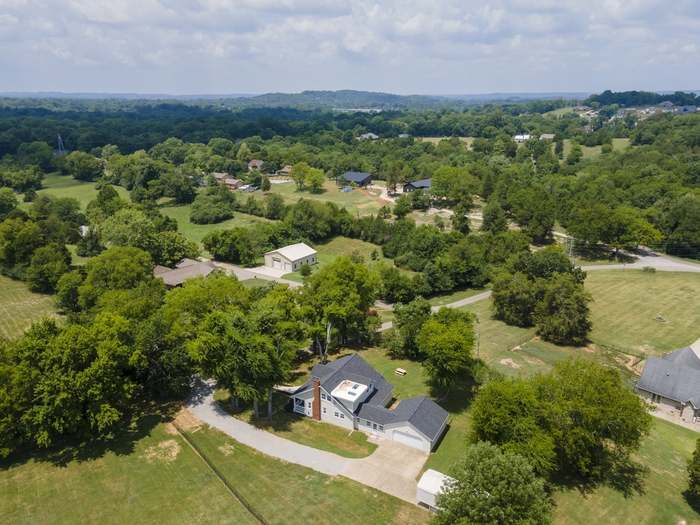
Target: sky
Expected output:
[398,46]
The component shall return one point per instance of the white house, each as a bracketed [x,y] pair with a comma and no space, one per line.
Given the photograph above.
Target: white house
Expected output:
[519,139]
[430,485]
[350,393]
[291,258]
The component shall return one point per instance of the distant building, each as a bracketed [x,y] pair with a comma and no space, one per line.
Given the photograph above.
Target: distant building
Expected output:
[368,136]
[184,270]
[255,164]
[360,178]
[285,171]
[423,184]
[291,258]
[430,485]
[547,136]
[667,104]
[224,179]
[519,139]
[403,135]
[673,382]
[683,110]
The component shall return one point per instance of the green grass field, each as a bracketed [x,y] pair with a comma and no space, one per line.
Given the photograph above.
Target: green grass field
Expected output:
[359,201]
[66,186]
[196,232]
[665,453]
[160,479]
[593,151]
[644,313]
[436,140]
[19,307]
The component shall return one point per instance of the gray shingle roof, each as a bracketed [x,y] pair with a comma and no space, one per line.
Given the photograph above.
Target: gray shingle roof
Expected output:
[184,270]
[357,177]
[675,376]
[420,184]
[424,414]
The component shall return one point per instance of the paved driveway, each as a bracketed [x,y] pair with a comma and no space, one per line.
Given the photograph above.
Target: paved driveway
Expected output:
[392,468]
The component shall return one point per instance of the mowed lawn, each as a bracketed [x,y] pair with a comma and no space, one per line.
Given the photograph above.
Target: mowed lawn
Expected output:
[644,313]
[162,480]
[665,453]
[359,201]
[66,186]
[19,307]
[196,232]
[618,144]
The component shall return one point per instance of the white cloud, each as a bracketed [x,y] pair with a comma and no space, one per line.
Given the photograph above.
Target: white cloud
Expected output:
[395,45]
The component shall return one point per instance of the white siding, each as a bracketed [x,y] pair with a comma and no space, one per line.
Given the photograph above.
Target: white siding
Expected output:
[408,436]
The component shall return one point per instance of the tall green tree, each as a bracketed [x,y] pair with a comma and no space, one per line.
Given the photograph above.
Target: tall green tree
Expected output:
[493,487]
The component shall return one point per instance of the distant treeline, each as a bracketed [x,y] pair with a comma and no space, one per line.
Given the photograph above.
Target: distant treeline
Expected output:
[643,98]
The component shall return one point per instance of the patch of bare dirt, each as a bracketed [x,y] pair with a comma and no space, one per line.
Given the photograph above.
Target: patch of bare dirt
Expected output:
[186,421]
[227,449]
[631,363]
[509,362]
[165,451]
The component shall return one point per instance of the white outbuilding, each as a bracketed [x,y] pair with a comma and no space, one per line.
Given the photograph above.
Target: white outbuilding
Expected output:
[291,258]
[430,486]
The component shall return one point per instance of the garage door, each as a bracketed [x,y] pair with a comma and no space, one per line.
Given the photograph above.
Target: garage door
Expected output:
[408,439]
[276,263]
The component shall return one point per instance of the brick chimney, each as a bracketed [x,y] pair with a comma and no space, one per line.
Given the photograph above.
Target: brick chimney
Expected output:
[316,405]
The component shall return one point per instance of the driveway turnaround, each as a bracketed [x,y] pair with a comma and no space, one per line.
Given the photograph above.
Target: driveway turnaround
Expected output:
[392,468]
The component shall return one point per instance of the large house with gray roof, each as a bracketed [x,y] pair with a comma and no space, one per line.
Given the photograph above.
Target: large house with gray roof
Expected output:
[673,381]
[350,393]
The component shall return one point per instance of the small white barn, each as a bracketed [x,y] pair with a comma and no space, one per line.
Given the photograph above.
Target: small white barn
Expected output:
[430,486]
[291,258]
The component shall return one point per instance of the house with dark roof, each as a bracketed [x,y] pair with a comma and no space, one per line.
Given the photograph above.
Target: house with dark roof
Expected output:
[360,178]
[423,184]
[184,270]
[350,393]
[672,381]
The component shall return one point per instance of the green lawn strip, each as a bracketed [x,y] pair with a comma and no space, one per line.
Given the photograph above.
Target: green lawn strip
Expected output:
[196,232]
[359,201]
[644,313]
[66,186]
[160,480]
[19,307]
[618,144]
[304,430]
[665,453]
[286,493]
[76,260]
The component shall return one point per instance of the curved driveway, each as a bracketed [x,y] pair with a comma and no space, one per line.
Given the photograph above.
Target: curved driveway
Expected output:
[391,468]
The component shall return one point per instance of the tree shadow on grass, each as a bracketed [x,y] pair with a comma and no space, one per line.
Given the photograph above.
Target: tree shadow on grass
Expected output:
[121,443]
[622,474]
[693,500]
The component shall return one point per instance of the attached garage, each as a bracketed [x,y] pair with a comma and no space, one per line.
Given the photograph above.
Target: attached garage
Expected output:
[406,438]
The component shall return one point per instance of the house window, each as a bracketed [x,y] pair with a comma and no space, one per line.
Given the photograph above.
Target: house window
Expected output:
[308,404]
[342,416]
[324,410]
[336,414]
[369,424]
[374,426]
[381,428]
[323,396]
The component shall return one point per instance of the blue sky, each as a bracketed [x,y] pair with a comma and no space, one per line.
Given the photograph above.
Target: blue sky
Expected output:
[400,46]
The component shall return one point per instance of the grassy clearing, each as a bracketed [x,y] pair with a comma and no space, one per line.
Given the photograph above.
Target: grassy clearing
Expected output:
[343,246]
[359,201]
[559,112]
[436,140]
[19,307]
[196,232]
[593,151]
[644,313]
[304,430]
[157,478]
[66,186]
[665,452]
[286,493]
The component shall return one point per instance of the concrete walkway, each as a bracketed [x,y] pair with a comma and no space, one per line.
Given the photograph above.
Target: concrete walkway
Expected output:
[392,468]
[245,274]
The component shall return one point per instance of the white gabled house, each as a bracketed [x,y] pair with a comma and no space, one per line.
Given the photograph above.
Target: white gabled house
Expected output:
[350,393]
[291,258]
